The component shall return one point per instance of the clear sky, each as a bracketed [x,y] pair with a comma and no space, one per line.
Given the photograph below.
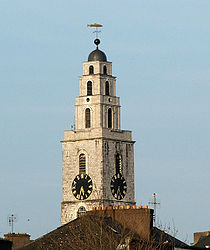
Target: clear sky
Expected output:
[160,53]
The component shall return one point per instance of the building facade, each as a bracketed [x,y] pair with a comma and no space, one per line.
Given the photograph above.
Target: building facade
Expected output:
[98,157]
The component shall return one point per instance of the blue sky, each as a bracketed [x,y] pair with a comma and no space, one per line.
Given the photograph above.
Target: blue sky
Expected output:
[160,54]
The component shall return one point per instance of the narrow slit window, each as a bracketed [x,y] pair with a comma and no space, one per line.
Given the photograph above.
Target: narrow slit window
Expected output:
[107,88]
[91,70]
[109,118]
[82,164]
[89,88]
[118,163]
[87,118]
[105,70]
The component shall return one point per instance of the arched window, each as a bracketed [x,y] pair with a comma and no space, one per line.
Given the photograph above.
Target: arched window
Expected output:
[91,70]
[118,163]
[107,88]
[87,118]
[105,70]
[82,164]
[89,88]
[81,211]
[109,118]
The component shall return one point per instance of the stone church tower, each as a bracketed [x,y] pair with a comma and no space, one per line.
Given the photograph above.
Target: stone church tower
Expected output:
[98,157]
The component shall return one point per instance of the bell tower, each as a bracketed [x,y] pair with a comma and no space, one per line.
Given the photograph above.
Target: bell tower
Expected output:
[98,157]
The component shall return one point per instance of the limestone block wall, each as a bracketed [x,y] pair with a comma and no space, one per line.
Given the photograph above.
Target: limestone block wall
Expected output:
[98,106]
[86,134]
[98,67]
[125,149]
[69,209]
[100,147]
[71,151]
[98,85]
[99,143]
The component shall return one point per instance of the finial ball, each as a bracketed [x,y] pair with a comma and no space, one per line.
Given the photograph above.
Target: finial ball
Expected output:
[97,41]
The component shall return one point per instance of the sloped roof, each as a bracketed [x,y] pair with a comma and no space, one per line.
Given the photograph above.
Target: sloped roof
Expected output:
[161,236]
[93,231]
[204,242]
[86,232]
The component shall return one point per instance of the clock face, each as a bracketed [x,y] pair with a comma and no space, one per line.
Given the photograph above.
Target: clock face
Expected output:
[118,186]
[82,186]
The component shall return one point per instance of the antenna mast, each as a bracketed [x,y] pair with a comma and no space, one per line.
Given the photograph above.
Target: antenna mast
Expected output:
[11,219]
[154,203]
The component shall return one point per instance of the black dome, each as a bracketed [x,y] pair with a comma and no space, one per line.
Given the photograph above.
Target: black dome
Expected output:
[97,55]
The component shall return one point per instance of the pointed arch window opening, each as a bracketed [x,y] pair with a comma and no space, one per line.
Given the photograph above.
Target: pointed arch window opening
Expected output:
[82,164]
[89,88]
[105,70]
[107,88]
[91,70]
[87,118]
[109,118]
[118,163]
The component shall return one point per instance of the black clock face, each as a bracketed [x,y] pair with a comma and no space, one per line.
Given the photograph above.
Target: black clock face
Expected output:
[82,186]
[118,186]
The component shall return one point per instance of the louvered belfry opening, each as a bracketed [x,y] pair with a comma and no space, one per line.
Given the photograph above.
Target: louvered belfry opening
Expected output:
[89,88]
[87,118]
[91,70]
[107,88]
[82,164]
[109,118]
[118,163]
[105,70]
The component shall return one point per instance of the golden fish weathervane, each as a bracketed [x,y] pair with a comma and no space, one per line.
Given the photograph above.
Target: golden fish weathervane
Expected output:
[95,25]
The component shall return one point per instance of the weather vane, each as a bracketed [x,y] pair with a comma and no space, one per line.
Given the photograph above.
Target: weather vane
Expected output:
[95,25]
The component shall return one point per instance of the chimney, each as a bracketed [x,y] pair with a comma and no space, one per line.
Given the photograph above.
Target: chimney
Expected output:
[18,239]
